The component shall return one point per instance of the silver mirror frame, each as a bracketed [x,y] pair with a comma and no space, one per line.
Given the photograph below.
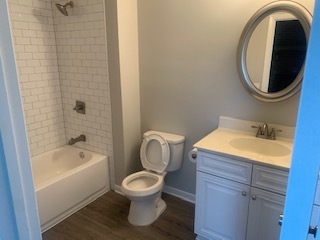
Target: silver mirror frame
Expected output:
[305,18]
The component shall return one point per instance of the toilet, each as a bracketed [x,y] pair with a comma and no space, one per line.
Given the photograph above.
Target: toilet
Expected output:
[160,153]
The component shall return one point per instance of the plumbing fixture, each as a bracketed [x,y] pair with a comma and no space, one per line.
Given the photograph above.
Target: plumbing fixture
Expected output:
[81,138]
[263,132]
[63,8]
[80,107]
[81,155]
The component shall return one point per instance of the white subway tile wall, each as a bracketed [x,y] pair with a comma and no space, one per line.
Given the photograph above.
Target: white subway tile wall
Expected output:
[82,59]
[60,60]
[36,56]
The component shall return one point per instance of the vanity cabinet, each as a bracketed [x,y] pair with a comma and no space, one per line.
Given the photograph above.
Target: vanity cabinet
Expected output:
[237,200]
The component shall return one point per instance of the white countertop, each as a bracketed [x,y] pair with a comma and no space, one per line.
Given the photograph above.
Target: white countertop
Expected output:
[218,142]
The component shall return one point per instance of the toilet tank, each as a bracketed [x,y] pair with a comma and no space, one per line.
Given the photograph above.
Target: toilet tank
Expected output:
[176,144]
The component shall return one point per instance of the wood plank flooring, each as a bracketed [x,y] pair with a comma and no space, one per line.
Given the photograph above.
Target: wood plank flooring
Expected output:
[106,219]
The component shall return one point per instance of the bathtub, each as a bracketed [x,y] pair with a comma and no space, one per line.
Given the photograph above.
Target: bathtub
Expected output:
[67,179]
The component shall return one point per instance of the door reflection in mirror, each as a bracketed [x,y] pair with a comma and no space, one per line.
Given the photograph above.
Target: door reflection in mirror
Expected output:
[276,52]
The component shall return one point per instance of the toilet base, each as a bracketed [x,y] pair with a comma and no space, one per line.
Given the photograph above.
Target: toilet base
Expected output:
[143,213]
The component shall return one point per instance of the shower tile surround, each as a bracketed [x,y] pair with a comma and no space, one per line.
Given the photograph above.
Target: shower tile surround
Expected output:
[60,60]
[36,56]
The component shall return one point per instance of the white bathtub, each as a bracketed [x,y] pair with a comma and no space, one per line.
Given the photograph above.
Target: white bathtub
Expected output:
[66,179]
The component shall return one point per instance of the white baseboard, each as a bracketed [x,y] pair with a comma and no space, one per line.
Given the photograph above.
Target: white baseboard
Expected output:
[117,189]
[189,197]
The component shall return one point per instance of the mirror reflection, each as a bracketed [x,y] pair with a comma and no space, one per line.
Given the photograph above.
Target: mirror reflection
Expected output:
[272,49]
[276,52]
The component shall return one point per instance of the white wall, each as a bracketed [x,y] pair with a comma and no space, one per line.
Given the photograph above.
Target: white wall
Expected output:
[129,75]
[256,53]
[123,62]
[188,72]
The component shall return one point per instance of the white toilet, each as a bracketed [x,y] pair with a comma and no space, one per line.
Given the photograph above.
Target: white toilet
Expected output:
[160,152]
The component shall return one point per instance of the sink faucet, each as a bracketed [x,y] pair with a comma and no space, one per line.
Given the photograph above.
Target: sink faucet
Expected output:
[263,132]
[77,139]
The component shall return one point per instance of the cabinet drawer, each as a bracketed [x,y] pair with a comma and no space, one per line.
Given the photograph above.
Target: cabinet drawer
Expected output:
[270,179]
[224,167]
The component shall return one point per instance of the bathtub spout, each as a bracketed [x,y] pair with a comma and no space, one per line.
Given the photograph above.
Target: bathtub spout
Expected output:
[77,139]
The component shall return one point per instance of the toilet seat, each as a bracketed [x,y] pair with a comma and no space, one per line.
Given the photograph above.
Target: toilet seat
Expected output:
[155,163]
[142,183]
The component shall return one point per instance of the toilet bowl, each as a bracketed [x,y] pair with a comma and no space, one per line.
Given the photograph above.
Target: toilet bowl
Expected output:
[159,152]
[142,183]
[144,190]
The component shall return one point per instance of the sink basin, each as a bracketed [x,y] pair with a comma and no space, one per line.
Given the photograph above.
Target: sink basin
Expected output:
[260,146]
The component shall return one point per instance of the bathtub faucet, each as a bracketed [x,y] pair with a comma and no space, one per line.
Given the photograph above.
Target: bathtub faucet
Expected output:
[77,139]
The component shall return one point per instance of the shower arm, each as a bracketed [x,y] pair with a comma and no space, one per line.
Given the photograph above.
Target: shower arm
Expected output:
[69,4]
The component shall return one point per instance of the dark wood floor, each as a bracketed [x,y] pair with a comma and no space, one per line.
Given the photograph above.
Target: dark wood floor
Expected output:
[106,218]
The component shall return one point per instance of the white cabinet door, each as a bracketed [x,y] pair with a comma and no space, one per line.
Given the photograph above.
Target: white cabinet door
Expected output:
[264,211]
[221,208]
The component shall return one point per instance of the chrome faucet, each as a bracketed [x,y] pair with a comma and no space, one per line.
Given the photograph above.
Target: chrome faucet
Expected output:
[81,138]
[263,132]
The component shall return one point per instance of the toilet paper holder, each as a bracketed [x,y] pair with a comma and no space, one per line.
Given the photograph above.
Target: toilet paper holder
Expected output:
[193,154]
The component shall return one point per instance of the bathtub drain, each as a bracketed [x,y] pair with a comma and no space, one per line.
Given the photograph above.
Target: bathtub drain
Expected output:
[81,155]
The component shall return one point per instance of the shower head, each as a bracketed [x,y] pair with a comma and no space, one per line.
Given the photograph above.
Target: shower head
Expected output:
[63,8]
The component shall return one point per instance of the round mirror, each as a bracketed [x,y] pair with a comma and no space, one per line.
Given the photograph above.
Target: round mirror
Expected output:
[272,51]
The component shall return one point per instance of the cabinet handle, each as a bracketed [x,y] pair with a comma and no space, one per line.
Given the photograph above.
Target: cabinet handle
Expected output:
[280,221]
[244,193]
[254,197]
[313,231]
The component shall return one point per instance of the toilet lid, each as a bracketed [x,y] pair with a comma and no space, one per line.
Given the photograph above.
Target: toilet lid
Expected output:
[155,153]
